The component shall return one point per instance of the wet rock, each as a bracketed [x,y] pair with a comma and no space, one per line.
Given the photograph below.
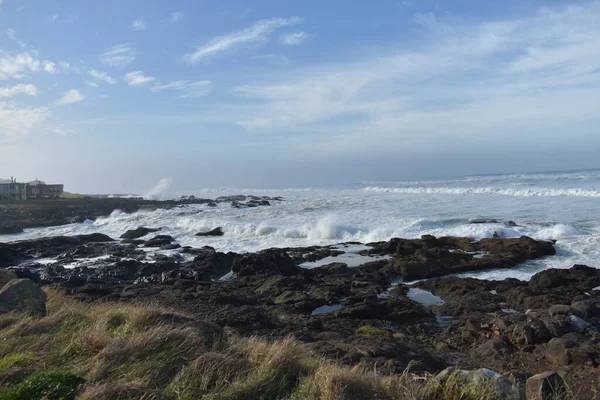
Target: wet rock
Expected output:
[580,278]
[135,242]
[158,241]
[430,257]
[546,386]
[138,233]
[214,232]
[10,230]
[330,269]
[15,252]
[266,262]
[22,296]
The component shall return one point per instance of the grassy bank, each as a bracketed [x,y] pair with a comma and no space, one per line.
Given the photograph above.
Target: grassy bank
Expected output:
[122,351]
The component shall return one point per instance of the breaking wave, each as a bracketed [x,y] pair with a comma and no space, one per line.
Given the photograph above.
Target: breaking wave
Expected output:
[541,192]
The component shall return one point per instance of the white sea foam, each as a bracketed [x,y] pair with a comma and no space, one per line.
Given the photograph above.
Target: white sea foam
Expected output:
[489,191]
[567,212]
[160,190]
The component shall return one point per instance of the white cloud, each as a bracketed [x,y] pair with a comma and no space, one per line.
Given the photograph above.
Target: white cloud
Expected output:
[59,130]
[17,122]
[177,16]
[12,35]
[102,76]
[49,67]
[71,97]
[139,24]
[14,66]
[259,32]
[119,55]
[92,84]
[28,89]
[474,80]
[137,78]
[294,38]
[274,59]
[189,89]
[53,17]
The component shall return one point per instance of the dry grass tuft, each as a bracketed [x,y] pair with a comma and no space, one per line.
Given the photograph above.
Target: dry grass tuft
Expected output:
[125,351]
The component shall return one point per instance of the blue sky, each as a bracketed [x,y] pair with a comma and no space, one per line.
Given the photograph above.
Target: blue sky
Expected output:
[113,96]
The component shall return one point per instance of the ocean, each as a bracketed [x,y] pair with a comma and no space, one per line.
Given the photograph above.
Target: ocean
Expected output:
[553,206]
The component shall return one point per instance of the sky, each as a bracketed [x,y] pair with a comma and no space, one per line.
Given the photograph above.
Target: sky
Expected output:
[115,96]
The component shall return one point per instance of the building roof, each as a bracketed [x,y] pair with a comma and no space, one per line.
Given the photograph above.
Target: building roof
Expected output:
[36,182]
[5,181]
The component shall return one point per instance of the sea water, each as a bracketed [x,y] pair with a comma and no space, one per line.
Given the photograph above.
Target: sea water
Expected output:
[553,206]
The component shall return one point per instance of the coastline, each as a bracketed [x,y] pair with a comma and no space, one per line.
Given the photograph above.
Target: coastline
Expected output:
[370,314]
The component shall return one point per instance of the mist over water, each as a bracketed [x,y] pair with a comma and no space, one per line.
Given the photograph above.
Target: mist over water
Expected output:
[564,207]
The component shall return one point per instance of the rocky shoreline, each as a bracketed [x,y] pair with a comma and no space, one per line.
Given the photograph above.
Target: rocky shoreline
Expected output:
[372,315]
[17,216]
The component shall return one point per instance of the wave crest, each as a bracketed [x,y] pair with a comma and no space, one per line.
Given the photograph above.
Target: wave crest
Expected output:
[490,191]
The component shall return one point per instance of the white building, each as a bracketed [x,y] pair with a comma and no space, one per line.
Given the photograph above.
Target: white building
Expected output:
[12,190]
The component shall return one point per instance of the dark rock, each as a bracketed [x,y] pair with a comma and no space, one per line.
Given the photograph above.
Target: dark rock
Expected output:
[493,349]
[22,296]
[430,257]
[559,309]
[560,351]
[10,230]
[158,241]
[138,233]
[266,262]
[587,308]
[94,238]
[135,242]
[171,246]
[580,277]
[214,232]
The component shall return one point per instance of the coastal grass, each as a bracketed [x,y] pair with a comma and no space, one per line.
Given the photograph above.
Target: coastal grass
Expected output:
[125,351]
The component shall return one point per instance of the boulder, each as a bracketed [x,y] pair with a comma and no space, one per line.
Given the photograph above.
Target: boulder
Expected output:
[559,309]
[6,276]
[266,262]
[22,296]
[94,238]
[546,386]
[486,379]
[214,232]
[561,352]
[160,240]
[587,308]
[138,233]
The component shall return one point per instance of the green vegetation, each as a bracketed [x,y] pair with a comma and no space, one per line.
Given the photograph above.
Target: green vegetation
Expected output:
[45,385]
[369,330]
[123,351]
[15,360]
